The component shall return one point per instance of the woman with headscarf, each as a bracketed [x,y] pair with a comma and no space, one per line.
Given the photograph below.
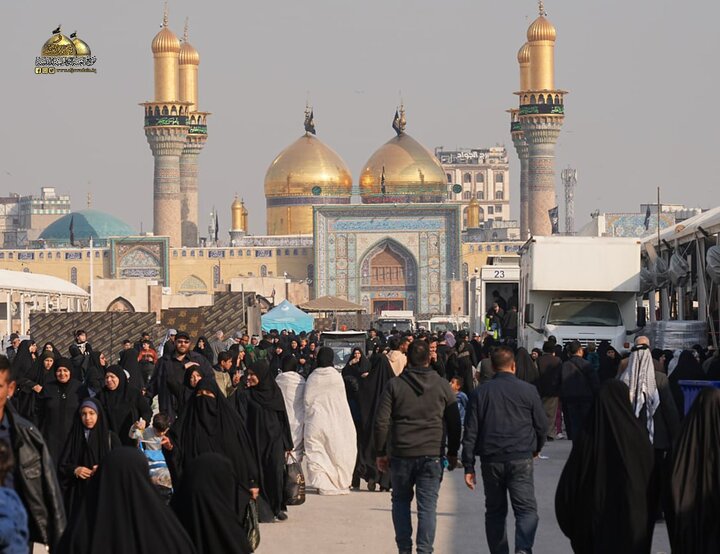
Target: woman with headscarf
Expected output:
[206,506]
[370,390]
[684,367]
[208,424]
[122,513]
[50,347]
[123,404]
[292,386]
[357,368]
[94,372]
[147,358]
[46,367]
[203,347]
[525,368]
[89,442]
[57,405]
[330,437]
[129,362]
[269,429]
[602,502]
[695,479]
[609,364]
[27,376]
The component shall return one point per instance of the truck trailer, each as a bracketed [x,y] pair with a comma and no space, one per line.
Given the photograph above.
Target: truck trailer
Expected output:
[579,289]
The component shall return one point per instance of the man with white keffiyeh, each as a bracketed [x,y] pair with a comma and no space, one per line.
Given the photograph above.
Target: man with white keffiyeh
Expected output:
[639,376]
[653,405]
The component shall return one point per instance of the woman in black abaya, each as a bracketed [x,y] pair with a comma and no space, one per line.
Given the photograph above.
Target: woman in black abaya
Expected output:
[695,480]
[525,368]
[87,445]
[57,406]
[609,364]
[122,403]
[122,513]
[129,362]
[356,369]
[370,391]
[207,508]
[209,424]
[203,347]
[269,428]
[688,368]
[27,376]
[602,501]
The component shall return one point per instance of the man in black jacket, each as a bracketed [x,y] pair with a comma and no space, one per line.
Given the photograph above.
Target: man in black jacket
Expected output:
[548,384]
[412,410]
[34,477]
[580,384]
[505,425]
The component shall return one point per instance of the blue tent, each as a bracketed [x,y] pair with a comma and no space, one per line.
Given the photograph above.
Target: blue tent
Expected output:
[287,316]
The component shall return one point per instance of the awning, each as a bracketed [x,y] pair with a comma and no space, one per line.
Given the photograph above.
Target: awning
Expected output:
[331,304]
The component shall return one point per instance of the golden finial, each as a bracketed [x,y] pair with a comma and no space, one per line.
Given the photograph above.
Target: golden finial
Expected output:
[309,119]
[165,14]
[541,7]
[403,121]
[185,32]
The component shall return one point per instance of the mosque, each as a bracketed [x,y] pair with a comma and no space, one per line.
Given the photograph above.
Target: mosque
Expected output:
[406,245]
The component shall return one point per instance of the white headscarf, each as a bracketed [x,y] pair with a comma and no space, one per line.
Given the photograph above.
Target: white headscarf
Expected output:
[639,376]
[672,364]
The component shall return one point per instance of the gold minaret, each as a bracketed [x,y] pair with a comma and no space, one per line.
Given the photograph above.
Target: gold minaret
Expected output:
[166,129]
[189,60]
[239,217]
[537,124]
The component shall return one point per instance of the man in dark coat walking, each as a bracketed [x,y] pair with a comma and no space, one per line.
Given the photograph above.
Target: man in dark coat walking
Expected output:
[579,386]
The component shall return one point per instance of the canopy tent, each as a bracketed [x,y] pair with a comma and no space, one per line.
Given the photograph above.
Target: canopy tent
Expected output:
[688,230]
[331,304]
[287,316]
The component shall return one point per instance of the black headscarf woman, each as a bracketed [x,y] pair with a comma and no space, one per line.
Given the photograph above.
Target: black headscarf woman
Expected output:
[129,362]
[122,513]
[525,368]
[688,368]
[94,372]
[122,403]
[209,424]
[356,369]
[695,479]
[28,377]
[89,442]
[207,508]
[203,347]
[269,429]
[602,501]
[370,392]
[57,405]
[609,364]
[50,347]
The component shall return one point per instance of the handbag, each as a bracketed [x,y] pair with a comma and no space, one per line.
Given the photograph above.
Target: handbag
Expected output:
[251,523]
[294,493]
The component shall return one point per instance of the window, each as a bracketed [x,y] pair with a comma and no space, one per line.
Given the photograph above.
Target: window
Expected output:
[97,253]
[239,252]
[295,251]
[232,253]
[490,210]
[248,253]
[184,253]
[449,178]
[498,209]
[201,253]
[499,177]
[479,177]
[287,252]
[467,195]
[263,271]
[467,178]
[480,195]
[278,252]
[42,255]
[192,253]
[73,275]
[499,194]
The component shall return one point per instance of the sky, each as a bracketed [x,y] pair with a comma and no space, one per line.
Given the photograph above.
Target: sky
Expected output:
[642,77]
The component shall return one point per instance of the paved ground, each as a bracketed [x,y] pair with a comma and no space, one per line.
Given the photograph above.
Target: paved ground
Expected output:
[361,523]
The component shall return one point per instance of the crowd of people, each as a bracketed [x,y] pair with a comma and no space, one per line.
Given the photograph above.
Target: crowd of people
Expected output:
[177,445]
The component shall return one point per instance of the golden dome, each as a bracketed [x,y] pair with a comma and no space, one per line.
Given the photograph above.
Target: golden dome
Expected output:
[81,47]
[58,45]
[541,29]
[412,173]
[166,42]
[308,167]
[188,54]
[523,56]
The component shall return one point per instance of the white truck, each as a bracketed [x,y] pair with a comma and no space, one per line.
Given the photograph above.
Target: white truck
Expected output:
[579,288]
[502,274]
[402,320]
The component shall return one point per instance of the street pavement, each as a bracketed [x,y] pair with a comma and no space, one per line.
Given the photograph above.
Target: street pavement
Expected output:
[361,522]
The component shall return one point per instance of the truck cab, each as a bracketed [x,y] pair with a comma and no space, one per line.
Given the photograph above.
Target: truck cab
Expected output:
[579,288]
[402,320]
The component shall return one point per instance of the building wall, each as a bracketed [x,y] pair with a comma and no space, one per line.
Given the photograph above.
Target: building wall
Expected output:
[482,173]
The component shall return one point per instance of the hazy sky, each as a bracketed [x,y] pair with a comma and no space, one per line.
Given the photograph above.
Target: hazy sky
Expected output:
[642,77]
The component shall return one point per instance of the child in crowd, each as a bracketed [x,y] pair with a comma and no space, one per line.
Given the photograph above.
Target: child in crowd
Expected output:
[151,441]
[592,356]
[14,536]
[456,384]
